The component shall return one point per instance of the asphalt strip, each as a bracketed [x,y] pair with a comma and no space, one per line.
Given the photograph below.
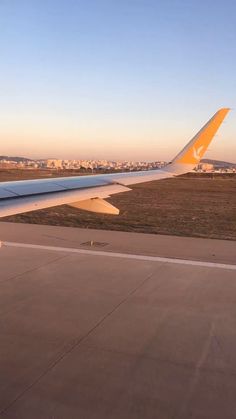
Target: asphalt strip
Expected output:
[122,255]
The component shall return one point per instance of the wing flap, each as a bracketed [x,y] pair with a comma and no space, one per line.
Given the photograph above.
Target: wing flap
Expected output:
[41,186]
[96,205]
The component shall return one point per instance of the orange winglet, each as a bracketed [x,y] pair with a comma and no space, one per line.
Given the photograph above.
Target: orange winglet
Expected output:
[195,149]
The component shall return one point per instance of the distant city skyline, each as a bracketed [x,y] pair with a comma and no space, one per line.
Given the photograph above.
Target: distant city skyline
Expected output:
[127,80]
[100,166]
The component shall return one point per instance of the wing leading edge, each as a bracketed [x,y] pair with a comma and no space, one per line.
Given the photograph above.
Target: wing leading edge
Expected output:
[89,192]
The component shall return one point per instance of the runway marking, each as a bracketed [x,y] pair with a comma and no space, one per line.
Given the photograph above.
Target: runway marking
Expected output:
[123,255]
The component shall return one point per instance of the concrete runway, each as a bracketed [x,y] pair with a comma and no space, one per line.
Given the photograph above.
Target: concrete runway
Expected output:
[134,327]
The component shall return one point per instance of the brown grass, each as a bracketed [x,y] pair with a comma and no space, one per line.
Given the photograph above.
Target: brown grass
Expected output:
[198,206]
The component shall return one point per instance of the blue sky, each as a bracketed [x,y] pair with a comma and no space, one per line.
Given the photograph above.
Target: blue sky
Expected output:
[127,79]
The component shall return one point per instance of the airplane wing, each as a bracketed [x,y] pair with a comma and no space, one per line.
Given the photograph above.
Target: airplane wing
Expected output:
[89,192]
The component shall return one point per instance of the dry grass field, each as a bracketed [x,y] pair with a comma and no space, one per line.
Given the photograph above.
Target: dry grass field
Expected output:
[193,205]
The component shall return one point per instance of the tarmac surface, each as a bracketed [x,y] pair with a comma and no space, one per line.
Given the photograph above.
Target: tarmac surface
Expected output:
[99,324]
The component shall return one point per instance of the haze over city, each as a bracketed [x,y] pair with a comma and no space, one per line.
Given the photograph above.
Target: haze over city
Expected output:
[115,80]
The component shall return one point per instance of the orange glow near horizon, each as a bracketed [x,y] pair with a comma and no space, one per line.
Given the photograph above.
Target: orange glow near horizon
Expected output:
[67,138]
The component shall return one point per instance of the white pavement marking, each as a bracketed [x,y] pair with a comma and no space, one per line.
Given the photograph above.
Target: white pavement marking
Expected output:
[123,255]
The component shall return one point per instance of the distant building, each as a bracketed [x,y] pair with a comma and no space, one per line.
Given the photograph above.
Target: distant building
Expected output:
[206,167]
[54,164]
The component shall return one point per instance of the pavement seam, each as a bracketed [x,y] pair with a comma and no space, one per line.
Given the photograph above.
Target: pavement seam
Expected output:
[3,313]
[33,269]
[75,345]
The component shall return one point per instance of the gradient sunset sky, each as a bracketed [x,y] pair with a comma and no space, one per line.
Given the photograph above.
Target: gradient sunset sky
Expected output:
[115,79]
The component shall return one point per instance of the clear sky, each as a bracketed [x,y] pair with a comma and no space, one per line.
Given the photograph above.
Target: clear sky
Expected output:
[119,79]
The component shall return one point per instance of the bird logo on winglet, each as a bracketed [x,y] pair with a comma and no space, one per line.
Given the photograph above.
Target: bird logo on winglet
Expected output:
[197,152]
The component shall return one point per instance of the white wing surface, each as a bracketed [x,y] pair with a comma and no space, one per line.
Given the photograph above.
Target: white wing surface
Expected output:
[89,192]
